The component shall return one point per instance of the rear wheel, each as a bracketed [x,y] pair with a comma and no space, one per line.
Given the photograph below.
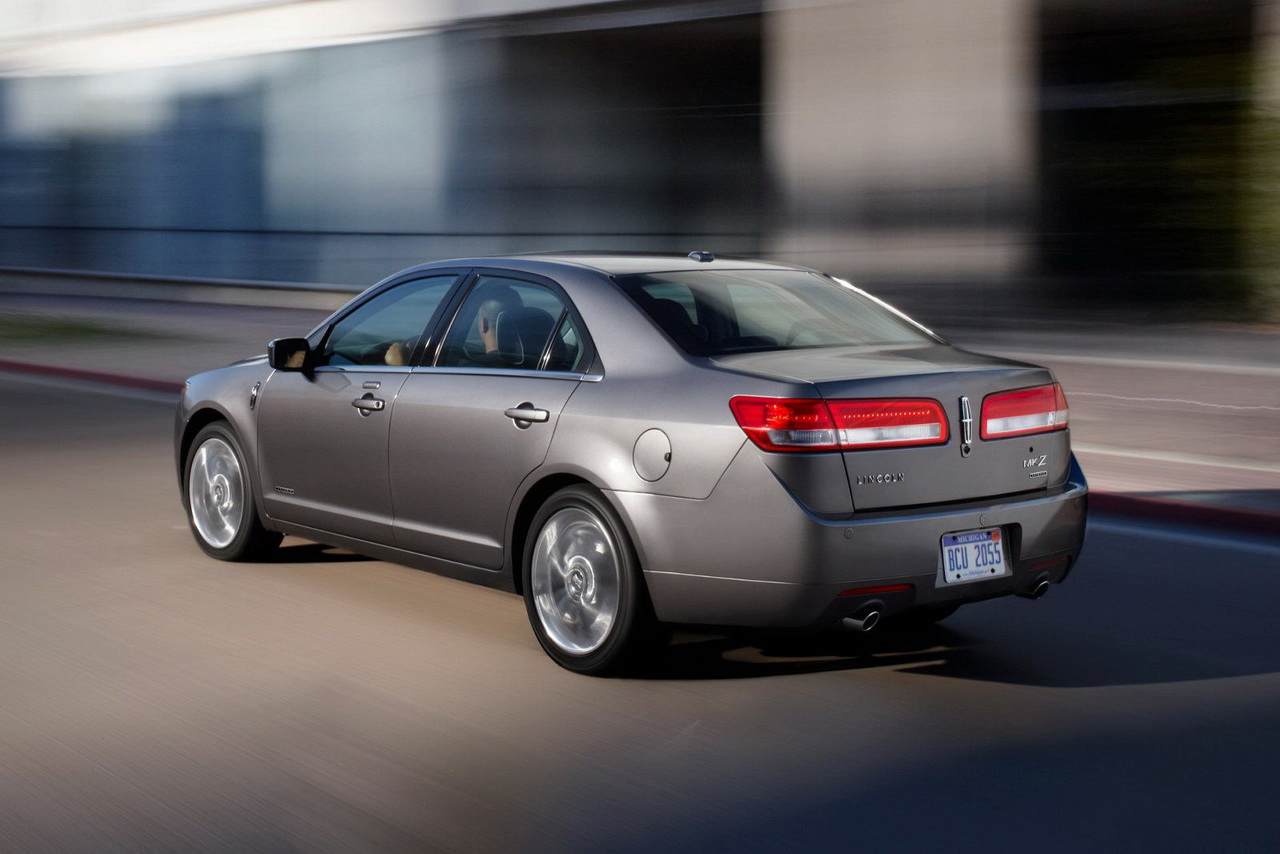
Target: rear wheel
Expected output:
[583,587]
[219,498]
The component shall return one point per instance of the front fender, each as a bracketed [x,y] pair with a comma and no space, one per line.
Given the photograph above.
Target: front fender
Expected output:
[222,395]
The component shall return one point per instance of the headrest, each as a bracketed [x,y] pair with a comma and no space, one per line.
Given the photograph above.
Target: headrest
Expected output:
[522,333]
[673,318]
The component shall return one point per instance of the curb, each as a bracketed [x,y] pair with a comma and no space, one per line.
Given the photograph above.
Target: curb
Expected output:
[1147,507]
[1175,511]
[81,375]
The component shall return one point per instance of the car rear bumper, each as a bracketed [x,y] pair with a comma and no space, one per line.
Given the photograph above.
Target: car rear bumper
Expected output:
[751,555]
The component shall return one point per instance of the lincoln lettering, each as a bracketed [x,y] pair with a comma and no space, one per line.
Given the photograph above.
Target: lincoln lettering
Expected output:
[894,477]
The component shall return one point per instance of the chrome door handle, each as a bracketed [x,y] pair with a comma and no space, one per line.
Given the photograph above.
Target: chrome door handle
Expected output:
[527,413]
[368,405]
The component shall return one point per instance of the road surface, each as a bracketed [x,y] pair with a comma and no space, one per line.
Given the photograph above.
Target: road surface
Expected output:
[152,698]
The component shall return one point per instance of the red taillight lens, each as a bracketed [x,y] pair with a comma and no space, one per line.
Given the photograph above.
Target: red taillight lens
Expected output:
[781,424]
[778,424]
[1040,409]
[889,423]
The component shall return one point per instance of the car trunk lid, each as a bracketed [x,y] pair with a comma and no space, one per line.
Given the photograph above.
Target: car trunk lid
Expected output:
[883,478]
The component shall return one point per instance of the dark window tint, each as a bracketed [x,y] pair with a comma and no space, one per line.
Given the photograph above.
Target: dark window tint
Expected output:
[714,313]
[385,330]
[567,347]
[512,324]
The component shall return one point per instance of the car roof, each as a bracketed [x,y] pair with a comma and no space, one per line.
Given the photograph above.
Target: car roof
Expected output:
[616,263]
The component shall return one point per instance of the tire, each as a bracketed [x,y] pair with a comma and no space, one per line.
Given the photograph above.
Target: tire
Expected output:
[218,496]
[583,588]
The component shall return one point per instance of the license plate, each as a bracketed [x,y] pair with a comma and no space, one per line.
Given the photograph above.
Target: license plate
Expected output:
[973,555]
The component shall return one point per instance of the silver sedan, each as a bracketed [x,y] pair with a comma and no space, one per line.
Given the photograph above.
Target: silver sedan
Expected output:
[633,442]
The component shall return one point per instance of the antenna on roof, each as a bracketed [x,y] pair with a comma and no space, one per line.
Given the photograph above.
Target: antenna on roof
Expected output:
[699,255]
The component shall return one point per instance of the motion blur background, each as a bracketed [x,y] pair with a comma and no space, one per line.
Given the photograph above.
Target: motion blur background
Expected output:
[1093,185]
[1064,153]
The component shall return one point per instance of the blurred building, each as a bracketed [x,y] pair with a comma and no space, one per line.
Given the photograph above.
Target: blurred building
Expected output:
[1090,147]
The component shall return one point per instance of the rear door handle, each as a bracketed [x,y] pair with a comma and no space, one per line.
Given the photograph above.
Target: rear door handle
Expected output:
[369,405]
[526,412]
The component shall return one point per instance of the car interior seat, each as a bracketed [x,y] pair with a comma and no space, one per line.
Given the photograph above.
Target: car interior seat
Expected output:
[673,318]
[522,335]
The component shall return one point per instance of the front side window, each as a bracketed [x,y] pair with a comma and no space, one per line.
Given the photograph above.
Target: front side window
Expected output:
[512,324]
[385,330]
[734,311]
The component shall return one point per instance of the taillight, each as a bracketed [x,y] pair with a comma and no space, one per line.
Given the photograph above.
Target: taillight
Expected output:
[785,424]
[889,423]
[1040,409]
[779,424]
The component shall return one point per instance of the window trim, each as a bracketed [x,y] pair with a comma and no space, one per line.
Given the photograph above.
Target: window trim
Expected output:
[555,330]
[320,335]
[431,356]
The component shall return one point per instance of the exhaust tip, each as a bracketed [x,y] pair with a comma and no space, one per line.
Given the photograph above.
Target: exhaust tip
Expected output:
[864,622]
[1036,590]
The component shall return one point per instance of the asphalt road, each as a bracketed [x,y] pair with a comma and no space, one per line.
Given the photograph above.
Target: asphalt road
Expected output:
[151,698]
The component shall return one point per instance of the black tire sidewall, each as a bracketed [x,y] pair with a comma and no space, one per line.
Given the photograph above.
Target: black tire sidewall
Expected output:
[243,542]
[616,650]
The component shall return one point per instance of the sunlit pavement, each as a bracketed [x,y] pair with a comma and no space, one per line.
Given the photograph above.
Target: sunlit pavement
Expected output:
[1180,424]
[1177,423]
[154,699]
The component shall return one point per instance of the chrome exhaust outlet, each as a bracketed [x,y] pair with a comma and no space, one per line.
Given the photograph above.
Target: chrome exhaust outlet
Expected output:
[867,619]
[1035,591]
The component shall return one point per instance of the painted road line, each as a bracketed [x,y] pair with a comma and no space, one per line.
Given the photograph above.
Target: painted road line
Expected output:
[1120,362]
[1229,407]
[1177,457]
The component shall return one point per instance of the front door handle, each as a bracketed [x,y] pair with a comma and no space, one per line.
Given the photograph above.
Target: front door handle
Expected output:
[527,413]
[369,405]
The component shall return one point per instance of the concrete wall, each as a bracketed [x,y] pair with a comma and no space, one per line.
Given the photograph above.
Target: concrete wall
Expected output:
[1117,147]
[902,135]
[343,163]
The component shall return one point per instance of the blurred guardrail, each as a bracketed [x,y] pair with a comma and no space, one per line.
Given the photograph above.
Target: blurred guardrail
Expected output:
[175,288]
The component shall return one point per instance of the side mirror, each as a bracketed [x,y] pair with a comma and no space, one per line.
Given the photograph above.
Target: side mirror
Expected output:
[289,354]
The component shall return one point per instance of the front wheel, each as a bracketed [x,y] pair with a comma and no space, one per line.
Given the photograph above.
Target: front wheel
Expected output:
[583,587]
[219,498]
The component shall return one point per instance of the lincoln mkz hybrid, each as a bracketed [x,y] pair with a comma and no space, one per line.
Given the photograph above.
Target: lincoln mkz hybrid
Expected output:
[633,442]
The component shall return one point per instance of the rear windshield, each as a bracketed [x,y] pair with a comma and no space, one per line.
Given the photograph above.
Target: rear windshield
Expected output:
[738,311]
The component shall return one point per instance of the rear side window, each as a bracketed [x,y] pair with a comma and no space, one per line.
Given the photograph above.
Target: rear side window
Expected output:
[512,324]
[567,347]
[735,311]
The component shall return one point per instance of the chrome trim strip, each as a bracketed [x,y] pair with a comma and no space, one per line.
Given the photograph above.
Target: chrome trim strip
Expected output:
[474,372]
[508,372]
[360,369]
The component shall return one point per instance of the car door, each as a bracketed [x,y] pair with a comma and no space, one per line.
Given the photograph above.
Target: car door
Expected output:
[469,428]
[323,432]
